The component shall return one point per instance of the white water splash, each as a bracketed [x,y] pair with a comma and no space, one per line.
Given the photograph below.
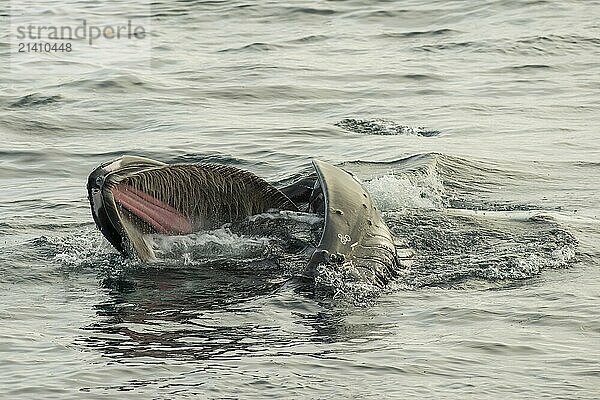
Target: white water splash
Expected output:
[418,190]
[217,243]
[78,248]
[305,218]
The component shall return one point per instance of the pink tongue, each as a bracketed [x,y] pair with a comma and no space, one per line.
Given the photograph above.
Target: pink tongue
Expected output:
[164,218]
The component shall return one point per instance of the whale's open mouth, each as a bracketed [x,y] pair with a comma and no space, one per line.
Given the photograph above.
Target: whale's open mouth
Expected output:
[132,197]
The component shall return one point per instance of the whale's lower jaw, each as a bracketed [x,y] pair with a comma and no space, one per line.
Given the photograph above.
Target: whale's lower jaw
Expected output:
[355,237]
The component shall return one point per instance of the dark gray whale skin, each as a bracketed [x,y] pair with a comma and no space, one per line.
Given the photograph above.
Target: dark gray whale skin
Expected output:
[354,239]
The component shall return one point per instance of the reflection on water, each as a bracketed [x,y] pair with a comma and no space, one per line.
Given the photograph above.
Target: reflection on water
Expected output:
[171,312]
[211,312]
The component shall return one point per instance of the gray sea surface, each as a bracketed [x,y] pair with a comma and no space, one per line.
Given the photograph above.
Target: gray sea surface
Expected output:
[474,124]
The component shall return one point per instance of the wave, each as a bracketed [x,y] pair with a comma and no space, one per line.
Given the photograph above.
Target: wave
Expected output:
[35,99]
[380,126]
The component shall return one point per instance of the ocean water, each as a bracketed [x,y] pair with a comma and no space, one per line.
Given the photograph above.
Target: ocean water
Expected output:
[474,125]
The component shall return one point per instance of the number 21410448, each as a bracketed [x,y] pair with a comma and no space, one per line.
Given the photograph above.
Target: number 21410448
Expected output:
[45,47]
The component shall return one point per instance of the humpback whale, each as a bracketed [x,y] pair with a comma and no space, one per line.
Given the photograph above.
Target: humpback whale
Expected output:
[131,197]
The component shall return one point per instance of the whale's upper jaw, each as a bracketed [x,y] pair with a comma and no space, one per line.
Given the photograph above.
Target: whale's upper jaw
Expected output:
[95,186]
